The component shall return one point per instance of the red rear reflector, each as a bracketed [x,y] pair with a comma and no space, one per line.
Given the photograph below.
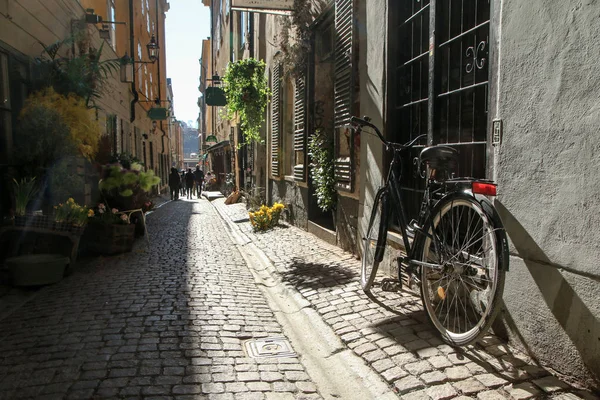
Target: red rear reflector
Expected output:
[488,189]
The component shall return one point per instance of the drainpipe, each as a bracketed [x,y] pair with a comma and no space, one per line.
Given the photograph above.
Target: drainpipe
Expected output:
[132,50]
[162,139]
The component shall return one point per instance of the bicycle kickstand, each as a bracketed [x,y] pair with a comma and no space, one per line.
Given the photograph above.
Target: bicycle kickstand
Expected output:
[391,285]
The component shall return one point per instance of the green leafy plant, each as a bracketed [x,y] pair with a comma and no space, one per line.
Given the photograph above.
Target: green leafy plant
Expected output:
[125,159]
[295,38]
[72,66]
[127,189]
[247,92]
[23,190]
[320,150]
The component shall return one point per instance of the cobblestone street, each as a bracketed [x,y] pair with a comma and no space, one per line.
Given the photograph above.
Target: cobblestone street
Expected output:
[169,320]
[159,323]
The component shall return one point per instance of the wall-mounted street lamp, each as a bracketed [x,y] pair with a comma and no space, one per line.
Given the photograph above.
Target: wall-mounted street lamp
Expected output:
[104,32]
[127,63]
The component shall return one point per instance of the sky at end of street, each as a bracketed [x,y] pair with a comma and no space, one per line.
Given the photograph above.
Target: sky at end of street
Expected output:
[187,24]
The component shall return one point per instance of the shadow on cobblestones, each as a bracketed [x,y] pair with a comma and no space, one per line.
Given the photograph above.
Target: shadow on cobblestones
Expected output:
[304,275]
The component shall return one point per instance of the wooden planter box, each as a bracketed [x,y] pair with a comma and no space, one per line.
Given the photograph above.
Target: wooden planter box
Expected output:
[109,239]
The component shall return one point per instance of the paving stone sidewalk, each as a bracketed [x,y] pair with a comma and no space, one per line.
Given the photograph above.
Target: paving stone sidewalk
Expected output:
[166,321]
[395,337]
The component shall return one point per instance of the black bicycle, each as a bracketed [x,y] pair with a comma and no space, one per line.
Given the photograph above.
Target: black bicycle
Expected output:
[456,251]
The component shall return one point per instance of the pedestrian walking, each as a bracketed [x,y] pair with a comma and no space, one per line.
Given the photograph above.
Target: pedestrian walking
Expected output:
[182,183]
[198,179]
[174,184]
[189,183]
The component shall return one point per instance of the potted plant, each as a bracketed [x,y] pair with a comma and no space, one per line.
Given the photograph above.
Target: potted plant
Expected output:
[247,92]
[24,191]
[320,150]
[128,189]
[108,231]
[266,217]
[70,216]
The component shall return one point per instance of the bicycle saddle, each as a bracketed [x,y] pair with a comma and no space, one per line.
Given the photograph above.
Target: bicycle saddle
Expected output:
[439,157]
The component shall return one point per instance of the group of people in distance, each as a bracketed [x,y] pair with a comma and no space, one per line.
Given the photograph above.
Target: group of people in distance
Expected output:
[188,183]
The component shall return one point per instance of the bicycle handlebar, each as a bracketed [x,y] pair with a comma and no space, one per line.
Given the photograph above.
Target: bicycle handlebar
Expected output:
[365,122]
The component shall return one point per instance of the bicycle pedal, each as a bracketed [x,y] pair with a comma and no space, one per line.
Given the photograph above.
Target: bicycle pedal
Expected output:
[391,285]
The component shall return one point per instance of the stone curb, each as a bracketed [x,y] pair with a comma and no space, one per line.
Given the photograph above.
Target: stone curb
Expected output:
[337,370]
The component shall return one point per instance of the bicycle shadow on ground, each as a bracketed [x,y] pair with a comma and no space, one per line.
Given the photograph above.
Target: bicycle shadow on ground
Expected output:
[308,275]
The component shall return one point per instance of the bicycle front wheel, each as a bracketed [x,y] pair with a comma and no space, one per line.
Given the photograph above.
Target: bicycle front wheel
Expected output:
[374,241]
[469,243]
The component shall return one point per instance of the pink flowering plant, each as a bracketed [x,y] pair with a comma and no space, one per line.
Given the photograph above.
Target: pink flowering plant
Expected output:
[108,216]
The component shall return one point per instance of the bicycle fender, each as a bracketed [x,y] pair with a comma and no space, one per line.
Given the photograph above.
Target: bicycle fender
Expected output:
[490,211]
[493,215]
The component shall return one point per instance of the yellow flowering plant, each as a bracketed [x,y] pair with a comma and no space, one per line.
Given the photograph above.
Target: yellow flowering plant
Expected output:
[70,212]
[266,217]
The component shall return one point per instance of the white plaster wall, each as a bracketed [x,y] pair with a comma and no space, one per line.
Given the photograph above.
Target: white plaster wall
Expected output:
[546,167]
[372,36]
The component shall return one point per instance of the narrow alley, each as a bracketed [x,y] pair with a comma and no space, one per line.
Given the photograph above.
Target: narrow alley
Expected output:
[174,319]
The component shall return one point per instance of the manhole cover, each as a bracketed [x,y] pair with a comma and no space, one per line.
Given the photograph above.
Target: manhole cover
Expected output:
[269,347]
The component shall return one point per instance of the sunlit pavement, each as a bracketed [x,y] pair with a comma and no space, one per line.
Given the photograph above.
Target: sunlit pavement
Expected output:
[170,319]
[395,337]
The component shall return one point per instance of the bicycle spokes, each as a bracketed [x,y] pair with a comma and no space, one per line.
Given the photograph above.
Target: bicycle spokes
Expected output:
[459,294]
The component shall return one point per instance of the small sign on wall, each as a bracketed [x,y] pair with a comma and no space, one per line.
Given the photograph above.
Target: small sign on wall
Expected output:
[283,5]
[496,132]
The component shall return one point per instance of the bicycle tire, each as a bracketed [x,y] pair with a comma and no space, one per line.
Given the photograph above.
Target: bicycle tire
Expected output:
[374,241]
[475,258]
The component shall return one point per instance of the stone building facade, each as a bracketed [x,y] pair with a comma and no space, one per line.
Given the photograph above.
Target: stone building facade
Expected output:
[26,27]
[516,95]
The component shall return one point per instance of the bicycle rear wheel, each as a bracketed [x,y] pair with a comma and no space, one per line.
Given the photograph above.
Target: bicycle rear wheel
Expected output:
[374,241]
[468,240]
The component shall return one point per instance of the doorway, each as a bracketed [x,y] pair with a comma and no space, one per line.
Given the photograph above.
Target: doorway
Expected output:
[321,104]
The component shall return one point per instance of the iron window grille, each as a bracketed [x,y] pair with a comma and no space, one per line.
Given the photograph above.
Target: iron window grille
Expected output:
[439,82]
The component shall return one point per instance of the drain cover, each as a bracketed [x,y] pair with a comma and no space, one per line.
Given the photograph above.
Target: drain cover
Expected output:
[269,347]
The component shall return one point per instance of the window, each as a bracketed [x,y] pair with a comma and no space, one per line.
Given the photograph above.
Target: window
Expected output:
[5,111]
[450,104]
[147,16]
[145,81]
[287,113]
[275,118]
[113,27]
[244,28]
[111,131]
[300,129]
[343,91]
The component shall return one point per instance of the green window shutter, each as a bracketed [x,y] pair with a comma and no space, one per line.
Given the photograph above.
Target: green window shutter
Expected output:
[275,118]
[343,89]
[300,129]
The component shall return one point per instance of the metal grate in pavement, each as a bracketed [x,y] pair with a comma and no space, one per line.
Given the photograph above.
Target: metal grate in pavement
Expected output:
[269,347]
